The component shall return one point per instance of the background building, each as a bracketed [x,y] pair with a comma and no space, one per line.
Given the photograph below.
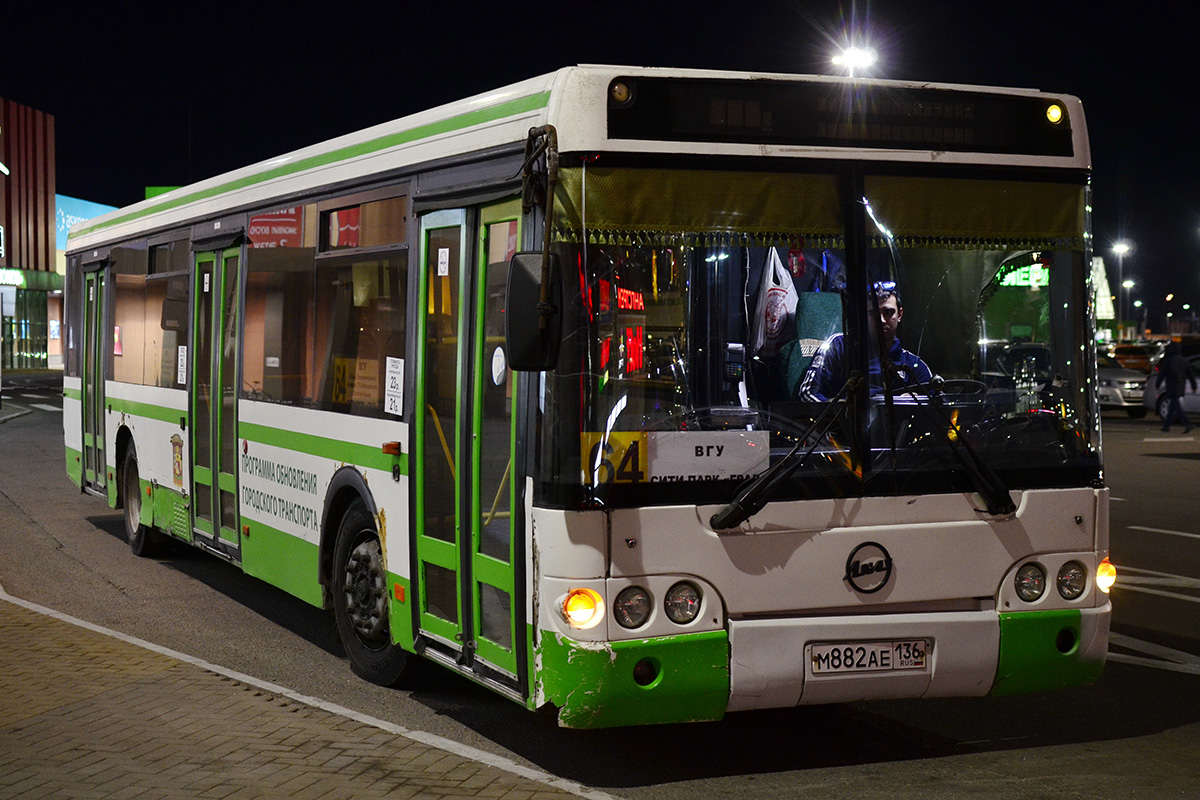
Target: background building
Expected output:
[27,252]
[33,235]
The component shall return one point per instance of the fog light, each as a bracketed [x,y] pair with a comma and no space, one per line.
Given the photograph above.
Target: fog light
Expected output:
[645,672]
[682,603]
[632,607]
[1030,582]
[583,608]
[1072,580]
[1106,576]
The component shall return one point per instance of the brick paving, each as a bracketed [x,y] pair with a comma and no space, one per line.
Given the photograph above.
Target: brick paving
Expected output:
[84,715]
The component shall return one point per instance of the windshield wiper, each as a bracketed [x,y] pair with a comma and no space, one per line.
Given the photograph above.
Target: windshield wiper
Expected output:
[755,494]
[985,480]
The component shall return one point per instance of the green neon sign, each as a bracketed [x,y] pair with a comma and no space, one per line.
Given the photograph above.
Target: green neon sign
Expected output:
[1031,276]
[12,277]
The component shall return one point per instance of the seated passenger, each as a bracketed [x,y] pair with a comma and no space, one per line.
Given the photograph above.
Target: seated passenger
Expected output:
[828,372]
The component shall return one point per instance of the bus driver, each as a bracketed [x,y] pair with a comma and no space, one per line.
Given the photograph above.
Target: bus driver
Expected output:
[827,374]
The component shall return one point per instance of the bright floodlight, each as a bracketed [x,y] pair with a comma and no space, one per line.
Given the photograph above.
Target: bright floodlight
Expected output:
[853,58]
[1128,284]
[1121,248]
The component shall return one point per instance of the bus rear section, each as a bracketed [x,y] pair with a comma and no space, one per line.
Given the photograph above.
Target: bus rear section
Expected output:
[713,536]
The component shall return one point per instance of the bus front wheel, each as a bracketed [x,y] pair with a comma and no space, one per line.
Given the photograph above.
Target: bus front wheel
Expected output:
[360,601]
[143,540]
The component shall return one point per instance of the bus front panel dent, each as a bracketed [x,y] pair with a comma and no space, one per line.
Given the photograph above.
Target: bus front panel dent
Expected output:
[594,685]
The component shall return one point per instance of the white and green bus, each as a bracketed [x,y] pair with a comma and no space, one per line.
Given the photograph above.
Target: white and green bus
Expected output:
[516,385]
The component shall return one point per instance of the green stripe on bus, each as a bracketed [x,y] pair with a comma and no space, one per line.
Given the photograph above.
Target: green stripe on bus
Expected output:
[594,687]
[519,106]
[1039,651]
[282,560]
[75,466]
[346,452]
[73,394]
[147,410]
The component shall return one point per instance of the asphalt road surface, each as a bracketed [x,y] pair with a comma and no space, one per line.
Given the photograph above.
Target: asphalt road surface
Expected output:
[1136,732]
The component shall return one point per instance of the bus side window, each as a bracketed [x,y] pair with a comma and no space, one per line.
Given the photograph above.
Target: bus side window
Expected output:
[278,361]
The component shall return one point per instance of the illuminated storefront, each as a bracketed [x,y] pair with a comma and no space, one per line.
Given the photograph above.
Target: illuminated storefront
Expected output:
[31,306]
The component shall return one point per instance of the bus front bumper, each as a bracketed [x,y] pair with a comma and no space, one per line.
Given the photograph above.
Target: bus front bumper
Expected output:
[773,663]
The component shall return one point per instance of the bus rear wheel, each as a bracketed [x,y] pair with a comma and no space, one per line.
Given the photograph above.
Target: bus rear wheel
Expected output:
[143,541]
[360,601]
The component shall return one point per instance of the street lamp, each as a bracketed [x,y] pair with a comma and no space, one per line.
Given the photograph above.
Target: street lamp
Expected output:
[852,58]
[1120,250]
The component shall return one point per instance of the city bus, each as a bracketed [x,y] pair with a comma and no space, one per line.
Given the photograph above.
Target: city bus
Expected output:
[515,386]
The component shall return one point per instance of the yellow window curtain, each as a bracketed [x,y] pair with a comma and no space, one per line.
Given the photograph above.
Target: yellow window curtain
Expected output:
[661,206]
[924,211]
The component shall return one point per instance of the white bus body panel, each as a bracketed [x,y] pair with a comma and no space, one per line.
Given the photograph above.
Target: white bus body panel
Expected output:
[792,557]
[72,413]
[262,499]
[151,437]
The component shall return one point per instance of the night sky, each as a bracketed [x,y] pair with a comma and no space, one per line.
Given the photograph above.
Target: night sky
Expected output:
[153,95]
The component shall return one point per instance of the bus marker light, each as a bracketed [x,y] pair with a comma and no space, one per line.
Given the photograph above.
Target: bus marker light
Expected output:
[583,608]
[1106,576]
[399,590]
[1054,113]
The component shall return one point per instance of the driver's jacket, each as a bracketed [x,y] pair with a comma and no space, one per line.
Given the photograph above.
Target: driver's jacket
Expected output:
[827,373]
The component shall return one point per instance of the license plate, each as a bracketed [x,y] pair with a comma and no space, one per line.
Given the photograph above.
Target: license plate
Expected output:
[885,656]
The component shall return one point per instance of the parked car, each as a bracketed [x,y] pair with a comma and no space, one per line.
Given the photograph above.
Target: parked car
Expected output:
[1120,387]
[1154,398]
[1141,357]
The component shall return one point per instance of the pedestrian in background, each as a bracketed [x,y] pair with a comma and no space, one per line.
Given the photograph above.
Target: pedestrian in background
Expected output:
[1174,369]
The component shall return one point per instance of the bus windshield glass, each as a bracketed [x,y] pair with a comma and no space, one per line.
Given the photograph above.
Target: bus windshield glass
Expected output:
[718,322]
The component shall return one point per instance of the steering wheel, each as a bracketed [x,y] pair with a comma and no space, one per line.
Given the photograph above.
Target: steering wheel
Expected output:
[959,386]
[954,386]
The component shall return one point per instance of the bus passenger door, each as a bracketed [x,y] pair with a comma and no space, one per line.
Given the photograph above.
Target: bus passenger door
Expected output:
[97,343]
[214,392]
[463,441]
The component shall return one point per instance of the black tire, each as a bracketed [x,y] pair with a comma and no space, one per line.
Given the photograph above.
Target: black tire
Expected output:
[360,601]
[1163,406]
[143,540]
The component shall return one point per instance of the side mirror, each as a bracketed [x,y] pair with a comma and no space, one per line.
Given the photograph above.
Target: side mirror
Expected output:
[533,346]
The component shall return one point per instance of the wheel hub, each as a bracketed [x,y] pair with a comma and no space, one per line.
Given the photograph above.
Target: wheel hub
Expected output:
[366,592]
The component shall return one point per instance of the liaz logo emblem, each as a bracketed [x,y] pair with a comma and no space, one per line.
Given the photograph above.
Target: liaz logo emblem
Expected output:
[869,568]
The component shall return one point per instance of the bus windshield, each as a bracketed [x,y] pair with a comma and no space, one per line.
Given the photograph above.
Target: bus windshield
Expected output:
[718,322]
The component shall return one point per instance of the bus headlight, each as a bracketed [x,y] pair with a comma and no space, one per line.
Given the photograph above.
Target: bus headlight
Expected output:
[682,603]
[631,609]
[1030,582]
[583,608]
[1106,576]
[1072,580]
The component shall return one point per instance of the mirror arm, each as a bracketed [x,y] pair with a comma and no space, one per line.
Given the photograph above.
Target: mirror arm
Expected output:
[543,140]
